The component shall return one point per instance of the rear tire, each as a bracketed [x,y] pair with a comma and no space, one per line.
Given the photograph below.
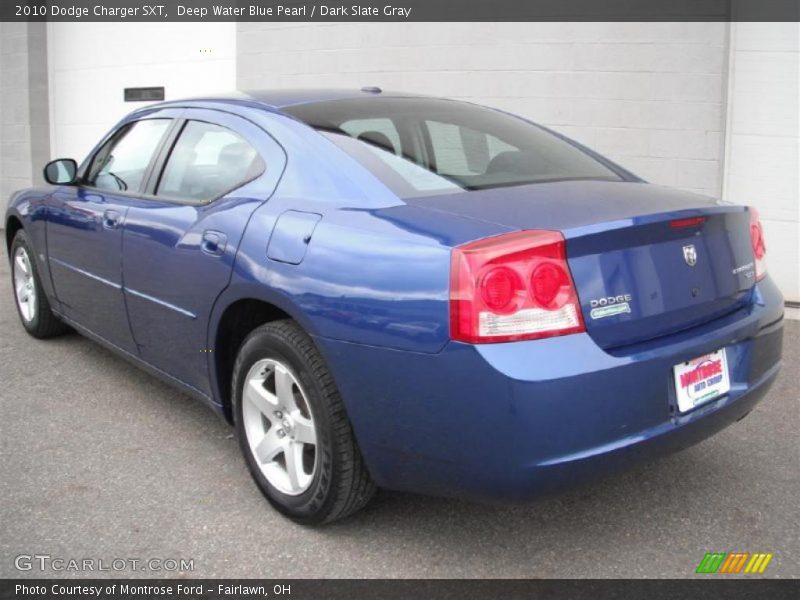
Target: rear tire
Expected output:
[30,298]
[293,430]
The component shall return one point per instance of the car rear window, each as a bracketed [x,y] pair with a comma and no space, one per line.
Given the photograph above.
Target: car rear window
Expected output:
[425,146]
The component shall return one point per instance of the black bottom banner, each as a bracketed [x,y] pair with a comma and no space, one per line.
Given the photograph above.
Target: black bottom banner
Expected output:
[299,589]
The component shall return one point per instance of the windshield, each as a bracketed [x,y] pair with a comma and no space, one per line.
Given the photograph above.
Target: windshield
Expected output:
[425,146]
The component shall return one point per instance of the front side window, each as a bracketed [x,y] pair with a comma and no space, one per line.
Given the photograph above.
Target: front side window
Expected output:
[120,165]
[424,146]
[207,162]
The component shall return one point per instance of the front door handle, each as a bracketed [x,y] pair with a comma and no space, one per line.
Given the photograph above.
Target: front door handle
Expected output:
[111,219]
[213,242]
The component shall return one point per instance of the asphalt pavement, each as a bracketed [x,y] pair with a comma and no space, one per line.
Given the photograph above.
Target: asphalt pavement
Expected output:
[100,461]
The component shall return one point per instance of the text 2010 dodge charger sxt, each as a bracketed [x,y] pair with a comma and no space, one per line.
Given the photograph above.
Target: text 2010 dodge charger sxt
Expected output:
[398,291]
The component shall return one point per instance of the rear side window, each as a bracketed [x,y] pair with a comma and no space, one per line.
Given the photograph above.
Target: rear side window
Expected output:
[121,163]
[207,162]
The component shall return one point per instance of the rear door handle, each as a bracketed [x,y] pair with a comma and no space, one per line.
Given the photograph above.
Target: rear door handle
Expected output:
[213,242]
[111,219]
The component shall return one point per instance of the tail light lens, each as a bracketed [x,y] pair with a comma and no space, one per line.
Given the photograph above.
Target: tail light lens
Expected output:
[515,286]
[757,240]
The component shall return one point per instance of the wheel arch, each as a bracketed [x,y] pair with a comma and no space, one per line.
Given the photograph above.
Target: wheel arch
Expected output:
[13,225]
[233,319]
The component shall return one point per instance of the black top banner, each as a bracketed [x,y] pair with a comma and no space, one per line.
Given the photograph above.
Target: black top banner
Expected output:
[399,10]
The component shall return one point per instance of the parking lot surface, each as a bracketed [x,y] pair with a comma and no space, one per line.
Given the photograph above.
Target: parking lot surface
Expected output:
[101,461]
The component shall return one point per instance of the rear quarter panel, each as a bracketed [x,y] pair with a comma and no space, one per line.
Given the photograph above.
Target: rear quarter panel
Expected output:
[375,272]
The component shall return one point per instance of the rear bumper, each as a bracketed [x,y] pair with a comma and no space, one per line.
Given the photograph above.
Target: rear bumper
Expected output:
[663,439]
[508,422]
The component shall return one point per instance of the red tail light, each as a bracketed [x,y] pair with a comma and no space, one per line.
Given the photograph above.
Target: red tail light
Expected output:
[515,286]
[757,240]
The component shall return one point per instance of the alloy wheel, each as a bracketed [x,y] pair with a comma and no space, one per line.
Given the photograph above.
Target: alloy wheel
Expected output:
[24,285]
[279,426]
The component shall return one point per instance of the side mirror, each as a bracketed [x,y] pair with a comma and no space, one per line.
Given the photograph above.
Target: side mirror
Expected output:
[61,171]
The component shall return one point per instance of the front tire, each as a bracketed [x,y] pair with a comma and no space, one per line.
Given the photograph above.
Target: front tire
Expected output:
[293,430]
[32,304]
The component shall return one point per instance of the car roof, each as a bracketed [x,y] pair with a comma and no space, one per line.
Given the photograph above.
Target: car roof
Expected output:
[278,99]
[283,98]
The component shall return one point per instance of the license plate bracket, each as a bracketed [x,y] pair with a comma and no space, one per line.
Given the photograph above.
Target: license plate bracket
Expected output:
[701,380]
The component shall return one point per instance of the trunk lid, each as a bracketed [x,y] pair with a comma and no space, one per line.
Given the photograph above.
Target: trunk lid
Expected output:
[647,261]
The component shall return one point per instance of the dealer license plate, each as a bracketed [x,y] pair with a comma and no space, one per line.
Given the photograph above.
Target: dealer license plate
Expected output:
[702,379]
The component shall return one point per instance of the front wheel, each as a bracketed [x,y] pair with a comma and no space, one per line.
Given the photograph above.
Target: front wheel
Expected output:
[292,427]
[32,305]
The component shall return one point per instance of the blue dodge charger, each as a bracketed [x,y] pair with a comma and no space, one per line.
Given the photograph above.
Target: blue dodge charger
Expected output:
[387,290]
